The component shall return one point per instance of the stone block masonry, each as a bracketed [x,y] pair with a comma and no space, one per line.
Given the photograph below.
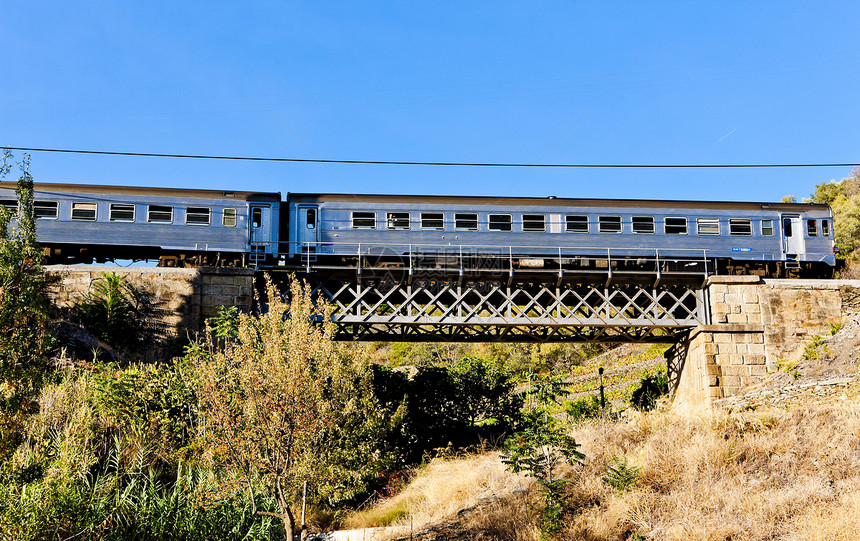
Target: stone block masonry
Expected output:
[754,325]
[187,297]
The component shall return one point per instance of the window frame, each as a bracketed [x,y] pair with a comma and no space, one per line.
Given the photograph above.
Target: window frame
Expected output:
[531,220]
[825,227]
[740,221]
[390,219]
[37,204]
[811,231]
[762,229]
[95,209]
[510,223]
[460,217]
[149,212]
[567,222]
[235,217]
[196,212]
[666,225]
[708,222]
[370,215]
[600,223]
[425,217]
[652,222]
[133,212]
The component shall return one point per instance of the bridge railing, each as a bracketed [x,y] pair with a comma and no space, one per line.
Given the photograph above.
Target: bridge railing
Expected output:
[483,259]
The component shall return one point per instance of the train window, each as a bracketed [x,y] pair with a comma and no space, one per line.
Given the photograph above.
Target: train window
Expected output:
[609,224]
[466,221]
[708,226]
[675,226]
[311,218]
[576,224]
[433,220]
[811,228]
[228,219]
[643,225]
[364,220]
[84,211]
[121,212]
[398,220]
[767,228]
[500,222]
[45,210]
[9,204]
[197,215]
[825,228]
[786,227]
[534,222]
[740,227]
[256,218]
[159,214]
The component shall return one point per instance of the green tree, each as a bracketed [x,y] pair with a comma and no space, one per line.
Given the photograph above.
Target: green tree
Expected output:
[24,336]
[844,198]
[541,445]
[287,407]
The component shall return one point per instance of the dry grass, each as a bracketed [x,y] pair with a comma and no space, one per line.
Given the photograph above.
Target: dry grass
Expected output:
[765,474]
[494,498]
[754,475]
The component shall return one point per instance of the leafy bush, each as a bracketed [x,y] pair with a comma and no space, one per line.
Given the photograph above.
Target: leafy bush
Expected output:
[286,406]
[583,408]
[464,404]
[650,388]
[118,313]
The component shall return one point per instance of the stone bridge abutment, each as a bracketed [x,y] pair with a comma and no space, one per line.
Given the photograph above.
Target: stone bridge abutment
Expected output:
[756,326]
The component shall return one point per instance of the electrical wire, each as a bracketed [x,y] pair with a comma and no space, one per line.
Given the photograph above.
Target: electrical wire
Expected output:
[441,164]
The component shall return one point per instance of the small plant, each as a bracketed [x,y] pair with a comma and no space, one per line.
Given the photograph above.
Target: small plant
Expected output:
[835,328]
[795,374]
[785,365]
[583,408]
[620,475]
[812,351]
[225,323]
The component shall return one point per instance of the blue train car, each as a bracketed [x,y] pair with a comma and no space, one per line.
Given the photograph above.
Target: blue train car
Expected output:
[178,227]
[558,235]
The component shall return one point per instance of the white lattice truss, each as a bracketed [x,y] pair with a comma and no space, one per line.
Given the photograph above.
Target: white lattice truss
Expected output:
[434,310]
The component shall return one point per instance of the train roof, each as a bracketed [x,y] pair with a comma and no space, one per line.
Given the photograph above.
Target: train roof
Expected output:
[554,201]
[144,191]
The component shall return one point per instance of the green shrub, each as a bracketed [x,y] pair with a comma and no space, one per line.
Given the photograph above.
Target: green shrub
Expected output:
[650,389]
[620,475]
[583,408]
[118,313]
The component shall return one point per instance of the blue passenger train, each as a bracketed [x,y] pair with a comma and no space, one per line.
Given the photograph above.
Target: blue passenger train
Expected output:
[537,237]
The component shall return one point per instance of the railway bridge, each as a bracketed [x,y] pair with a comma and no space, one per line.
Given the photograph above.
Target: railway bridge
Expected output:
[726,331]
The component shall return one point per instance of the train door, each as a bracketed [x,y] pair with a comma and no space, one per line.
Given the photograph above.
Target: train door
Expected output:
[261,231]
[307,228]
[792,235]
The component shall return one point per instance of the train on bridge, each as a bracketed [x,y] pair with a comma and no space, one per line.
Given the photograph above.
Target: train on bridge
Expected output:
[542,239]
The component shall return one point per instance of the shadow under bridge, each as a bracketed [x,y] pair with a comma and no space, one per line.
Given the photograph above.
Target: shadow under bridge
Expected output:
[440,310]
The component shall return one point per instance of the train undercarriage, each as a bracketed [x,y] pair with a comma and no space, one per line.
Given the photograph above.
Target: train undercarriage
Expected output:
[591,268]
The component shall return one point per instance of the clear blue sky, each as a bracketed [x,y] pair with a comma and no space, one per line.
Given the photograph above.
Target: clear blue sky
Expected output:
[594,82]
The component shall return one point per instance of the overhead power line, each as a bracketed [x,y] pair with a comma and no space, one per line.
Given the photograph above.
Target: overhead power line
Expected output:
[442,164]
